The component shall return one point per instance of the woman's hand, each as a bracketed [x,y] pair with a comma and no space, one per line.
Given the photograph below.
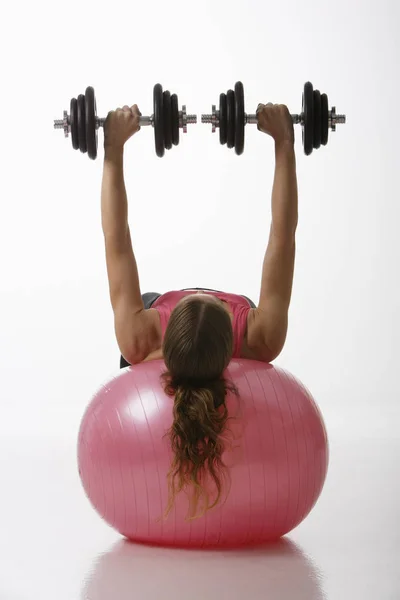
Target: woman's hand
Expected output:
[276,121]
[120,125]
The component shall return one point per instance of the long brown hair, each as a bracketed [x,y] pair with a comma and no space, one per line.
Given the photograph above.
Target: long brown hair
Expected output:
[197,348]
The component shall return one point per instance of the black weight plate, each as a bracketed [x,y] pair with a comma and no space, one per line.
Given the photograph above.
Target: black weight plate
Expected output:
[239,118]
[317,119]
[222,119]
[308,111]
[230,119]
[167,120]
[175,119]
[90,117]
[73,122]
[158,113]
[324,119]
[81,123]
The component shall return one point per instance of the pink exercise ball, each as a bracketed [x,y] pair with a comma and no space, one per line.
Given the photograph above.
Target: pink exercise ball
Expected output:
[277,460]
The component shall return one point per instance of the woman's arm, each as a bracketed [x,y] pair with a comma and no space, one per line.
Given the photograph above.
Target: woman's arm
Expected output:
[268,323]
[123,277]
[133,327]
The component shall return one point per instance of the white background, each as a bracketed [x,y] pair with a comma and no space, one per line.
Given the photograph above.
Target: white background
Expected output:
[198,217]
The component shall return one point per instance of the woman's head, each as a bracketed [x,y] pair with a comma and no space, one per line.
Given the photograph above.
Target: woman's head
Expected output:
[198,342]
[197,348]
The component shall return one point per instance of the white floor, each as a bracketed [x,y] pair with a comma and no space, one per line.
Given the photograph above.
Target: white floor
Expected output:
[54,547]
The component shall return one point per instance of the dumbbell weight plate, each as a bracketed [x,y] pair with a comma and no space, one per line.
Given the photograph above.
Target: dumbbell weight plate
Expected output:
[317,119]
[81,123]
[230,119]
[239,118]
[158,111]
[175,119]
[73,123]
[167,120]
[222,119]
[308,112]
[90,118]
[324,119]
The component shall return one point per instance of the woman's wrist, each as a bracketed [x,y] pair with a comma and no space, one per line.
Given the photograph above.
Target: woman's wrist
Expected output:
[113,153]
[284,146]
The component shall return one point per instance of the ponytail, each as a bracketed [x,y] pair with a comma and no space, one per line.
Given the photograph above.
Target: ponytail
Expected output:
[196,435]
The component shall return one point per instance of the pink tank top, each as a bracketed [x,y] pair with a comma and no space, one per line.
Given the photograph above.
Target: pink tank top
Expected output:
[238,305]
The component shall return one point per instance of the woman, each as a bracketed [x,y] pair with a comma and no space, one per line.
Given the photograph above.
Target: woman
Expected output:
[197,332]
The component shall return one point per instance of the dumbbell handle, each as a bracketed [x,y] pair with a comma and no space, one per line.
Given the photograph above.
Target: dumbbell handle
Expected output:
[334,119]
[143,122]
[184,120]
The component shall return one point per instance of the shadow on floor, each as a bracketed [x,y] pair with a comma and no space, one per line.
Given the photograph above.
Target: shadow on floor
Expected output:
[276,571]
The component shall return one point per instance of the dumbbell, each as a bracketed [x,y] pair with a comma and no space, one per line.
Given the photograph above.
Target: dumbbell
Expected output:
[83,123]
[315,118]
